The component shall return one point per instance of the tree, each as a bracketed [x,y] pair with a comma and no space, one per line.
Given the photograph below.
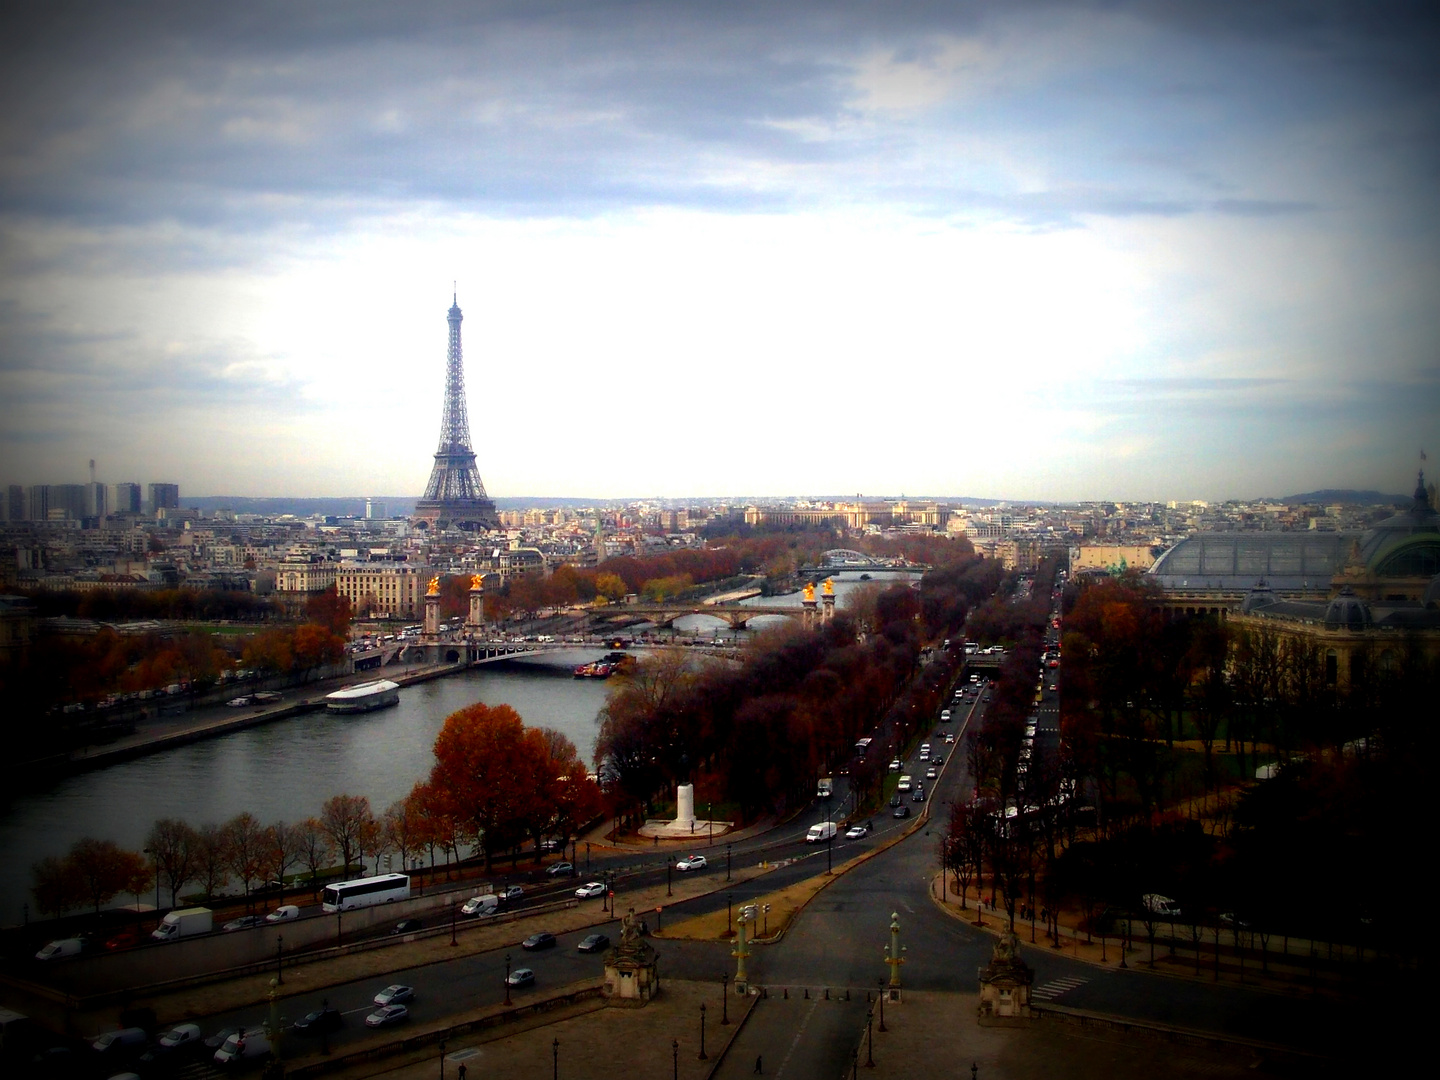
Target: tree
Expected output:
[172,845]
[312,842]
[610,587]
[330,610]
[245,853]
[57,887]
[487,774]
[212,860]
[102,869]
[402,829]
[346,820]
[282,846]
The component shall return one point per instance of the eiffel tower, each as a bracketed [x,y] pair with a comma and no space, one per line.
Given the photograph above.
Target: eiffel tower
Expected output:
[455,496]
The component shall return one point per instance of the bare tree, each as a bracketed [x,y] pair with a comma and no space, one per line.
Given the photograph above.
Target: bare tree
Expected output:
[313,845]
[172,846]
[346,819]
[212,861]
[245,849]
[280,849]
[103,869]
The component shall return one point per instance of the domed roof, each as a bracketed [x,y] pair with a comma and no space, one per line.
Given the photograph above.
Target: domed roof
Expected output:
[1347,611]
[1385,535]
[1261,595]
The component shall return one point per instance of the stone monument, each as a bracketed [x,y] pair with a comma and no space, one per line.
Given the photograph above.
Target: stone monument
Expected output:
[685,807]
[632,975]
[1005,983]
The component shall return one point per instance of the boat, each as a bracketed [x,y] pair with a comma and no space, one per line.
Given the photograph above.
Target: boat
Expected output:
[598,669]
[363,697]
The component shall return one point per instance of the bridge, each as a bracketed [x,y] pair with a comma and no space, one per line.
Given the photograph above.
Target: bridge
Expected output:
[849,559]
[735,615]
[454,649]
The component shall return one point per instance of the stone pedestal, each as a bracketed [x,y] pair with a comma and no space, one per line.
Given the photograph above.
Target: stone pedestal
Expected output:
[432,609]
[685,806]
[477,603]
[1005,983]
[632,976]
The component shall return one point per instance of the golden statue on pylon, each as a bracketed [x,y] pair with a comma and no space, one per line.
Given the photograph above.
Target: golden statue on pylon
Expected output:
[809,592]
[829,589]
[477,581]
[434,589]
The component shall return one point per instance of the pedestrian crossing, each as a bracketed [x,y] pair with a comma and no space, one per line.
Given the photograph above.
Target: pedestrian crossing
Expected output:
[1055,987]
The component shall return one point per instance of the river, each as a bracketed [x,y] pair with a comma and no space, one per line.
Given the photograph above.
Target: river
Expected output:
[287,769]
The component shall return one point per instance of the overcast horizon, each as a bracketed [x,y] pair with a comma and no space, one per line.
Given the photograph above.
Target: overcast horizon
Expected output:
[1034,251]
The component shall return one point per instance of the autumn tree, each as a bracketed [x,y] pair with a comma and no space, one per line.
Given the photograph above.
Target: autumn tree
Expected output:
[488,774]
[56,886]
[610,587]
[281,848]
[330,610]
[172,845]
[347,820]
[102,869]
[403,828]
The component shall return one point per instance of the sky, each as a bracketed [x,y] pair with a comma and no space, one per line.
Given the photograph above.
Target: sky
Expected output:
[1026,250]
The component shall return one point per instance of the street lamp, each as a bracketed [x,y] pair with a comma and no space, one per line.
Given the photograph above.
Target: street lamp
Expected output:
[554,1059]
[507,978]
[870,1038]
[279,975]
[703,1055]
[727,862]
[442,1059]
[882,1007]
[452,922]
[675,1055]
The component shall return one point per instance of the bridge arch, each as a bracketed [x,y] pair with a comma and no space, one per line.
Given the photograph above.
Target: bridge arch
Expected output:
[847,557]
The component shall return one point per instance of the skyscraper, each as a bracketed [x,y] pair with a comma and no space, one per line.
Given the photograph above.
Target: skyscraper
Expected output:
[127,498]
[164,497]
[455,495]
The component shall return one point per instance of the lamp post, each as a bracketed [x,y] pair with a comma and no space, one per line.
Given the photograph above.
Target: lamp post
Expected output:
[727,862]
[829,841]
[728,897]
[894,953]
[882,1006]
[870,1038]
[703,1055]
[507,978]
[675,1058]
[554,1059]
[442,1059]
[279,945]
[668,868]
[724,999]
[452,923]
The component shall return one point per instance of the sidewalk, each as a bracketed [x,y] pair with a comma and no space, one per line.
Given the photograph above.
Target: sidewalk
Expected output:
[1283,974]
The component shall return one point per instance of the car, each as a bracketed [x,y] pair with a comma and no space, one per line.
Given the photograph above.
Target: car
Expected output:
[691,862]
[245,922]
[901,811]
[589,889]
[323,1019]
[542,940]
[895,765]
[394,994]
[407,926]
[949,737]
[283,913]
[123,940]
[511,892]
[1053,687]
[931,773]
[214,1042]
[240,702]
[390,1014]
[521,977]
[561,868]
[896,799]
[855,832]
[551,844]
[594,943]
[919,795]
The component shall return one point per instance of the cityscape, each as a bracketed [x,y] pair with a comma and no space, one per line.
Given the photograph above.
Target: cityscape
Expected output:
[1085,738]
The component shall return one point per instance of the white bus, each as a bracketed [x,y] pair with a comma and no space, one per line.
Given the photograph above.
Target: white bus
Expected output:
[363,892]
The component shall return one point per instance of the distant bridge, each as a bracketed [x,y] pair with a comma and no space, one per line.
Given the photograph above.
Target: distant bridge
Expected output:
[736,615]
[455,649]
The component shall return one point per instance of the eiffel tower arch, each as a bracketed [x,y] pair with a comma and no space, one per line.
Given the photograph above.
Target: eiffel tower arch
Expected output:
[455,496]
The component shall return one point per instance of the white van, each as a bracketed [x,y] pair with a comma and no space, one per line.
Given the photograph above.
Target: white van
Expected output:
[905,784]
[821,833]
[63,947]
[481,905]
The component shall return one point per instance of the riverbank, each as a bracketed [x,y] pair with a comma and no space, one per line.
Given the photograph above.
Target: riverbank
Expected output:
[165,733]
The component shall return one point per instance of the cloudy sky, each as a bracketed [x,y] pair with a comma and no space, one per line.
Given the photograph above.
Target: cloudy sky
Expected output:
[1025,250]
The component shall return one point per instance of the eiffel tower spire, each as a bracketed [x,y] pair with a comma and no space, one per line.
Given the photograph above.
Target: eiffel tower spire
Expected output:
[455,495]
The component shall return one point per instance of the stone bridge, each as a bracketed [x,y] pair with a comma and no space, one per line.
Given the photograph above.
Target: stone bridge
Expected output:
[458,649]
[736,615]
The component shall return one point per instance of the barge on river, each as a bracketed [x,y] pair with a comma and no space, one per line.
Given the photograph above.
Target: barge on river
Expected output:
[363,697]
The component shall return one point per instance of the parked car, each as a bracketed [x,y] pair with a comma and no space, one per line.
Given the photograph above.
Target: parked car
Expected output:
[589,889]
[691,862]
[323,1019]
[521,977]
[594,943]
[542,940]
[123,1044]
[394,994]
[511,892]
[389,1014]
[214,1042]
[561,868]
[243,1046]
[407,926]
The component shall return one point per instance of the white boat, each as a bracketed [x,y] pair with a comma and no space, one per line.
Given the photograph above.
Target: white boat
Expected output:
[364,696]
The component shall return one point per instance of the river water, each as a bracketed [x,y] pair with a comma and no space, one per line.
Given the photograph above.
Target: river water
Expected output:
[285,770]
